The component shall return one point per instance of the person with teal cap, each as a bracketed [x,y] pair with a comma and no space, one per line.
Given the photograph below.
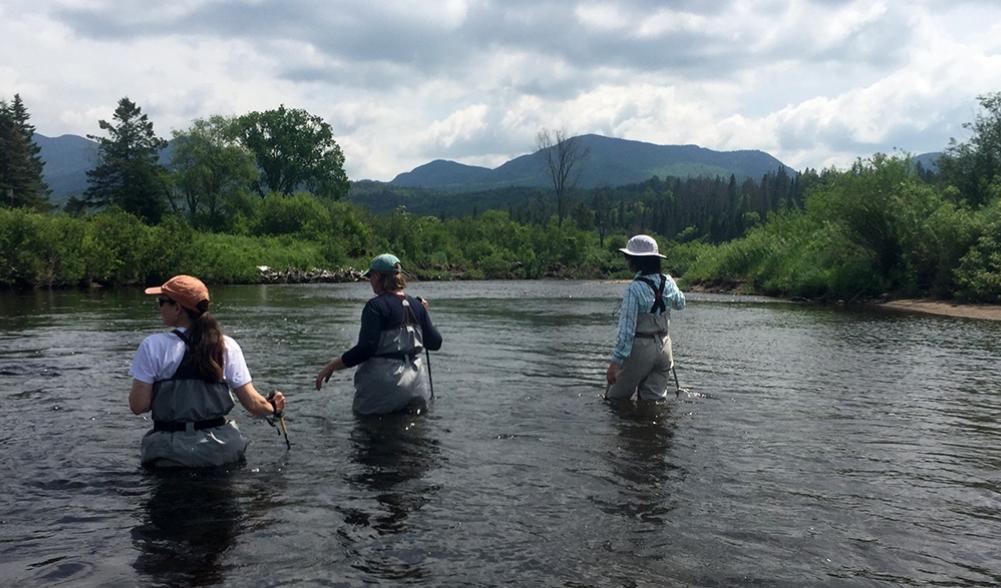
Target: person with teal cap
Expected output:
[396,329]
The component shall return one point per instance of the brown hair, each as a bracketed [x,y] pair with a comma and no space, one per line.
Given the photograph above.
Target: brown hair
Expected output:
[207,343]
[648,264]
[391,282]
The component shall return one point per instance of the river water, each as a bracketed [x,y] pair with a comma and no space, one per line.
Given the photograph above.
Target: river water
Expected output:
[813,446]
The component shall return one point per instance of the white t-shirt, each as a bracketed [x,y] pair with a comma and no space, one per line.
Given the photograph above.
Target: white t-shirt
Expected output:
[159,356]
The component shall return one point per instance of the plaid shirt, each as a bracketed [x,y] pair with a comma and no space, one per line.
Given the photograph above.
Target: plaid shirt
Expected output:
[640,298]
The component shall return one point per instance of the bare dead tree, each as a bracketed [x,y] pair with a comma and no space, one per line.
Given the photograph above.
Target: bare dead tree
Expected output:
[563,157]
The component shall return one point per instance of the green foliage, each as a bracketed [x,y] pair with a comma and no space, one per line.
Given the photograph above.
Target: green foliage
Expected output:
[974,167]
[978,277]
[882,226]
[21,183]
[129,174]
[211,174]
[294,150]
[300,214]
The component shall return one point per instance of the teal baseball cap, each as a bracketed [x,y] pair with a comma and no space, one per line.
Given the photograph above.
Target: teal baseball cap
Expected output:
[384,264]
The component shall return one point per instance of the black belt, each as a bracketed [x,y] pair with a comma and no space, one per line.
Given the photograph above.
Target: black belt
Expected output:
[651,335]
[177,426]
[398,355]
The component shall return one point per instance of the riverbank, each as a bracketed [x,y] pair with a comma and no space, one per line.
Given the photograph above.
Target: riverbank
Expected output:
[990,312]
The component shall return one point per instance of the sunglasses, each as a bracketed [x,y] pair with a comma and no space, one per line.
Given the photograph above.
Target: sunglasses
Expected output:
[161,300]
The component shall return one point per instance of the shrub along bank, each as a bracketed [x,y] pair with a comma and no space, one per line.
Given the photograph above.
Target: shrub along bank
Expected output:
[115,248]
[877,228]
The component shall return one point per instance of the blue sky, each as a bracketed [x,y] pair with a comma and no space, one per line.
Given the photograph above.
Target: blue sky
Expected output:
[814,82]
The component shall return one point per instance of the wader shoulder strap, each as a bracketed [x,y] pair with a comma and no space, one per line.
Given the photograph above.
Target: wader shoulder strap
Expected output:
[658,294]
[186,370]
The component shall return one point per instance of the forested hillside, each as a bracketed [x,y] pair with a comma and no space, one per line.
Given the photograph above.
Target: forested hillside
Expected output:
[268,188]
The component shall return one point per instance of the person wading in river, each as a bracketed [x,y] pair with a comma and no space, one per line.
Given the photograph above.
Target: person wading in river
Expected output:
[185,377]
[395,330]
[642,359]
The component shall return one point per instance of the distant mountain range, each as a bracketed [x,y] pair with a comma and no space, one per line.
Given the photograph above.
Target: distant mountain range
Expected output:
[611,162]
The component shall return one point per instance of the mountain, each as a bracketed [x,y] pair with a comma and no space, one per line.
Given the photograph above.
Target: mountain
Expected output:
[442,173]
[67,159]
[611,162]
[929,161]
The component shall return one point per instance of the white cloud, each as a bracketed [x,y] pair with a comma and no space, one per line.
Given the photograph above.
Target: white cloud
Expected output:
[811,82]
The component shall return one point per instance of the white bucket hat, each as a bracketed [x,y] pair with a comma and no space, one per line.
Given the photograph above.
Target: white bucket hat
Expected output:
[642,246]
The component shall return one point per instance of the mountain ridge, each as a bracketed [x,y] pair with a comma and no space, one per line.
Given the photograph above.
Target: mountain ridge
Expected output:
[612,162]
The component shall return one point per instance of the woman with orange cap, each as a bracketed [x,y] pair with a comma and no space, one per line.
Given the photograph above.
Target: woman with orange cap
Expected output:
[396,328]
[642,359]
[185,377]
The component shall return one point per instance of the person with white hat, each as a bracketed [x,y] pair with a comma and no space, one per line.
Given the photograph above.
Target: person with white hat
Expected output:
[396,328]
[642,358]
[185,377]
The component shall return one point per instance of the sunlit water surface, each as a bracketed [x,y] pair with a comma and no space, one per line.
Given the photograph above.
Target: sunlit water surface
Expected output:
[815,446]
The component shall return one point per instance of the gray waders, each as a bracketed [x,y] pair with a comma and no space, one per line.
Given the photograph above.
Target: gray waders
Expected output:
[189,422]
[396,377]
[647,370]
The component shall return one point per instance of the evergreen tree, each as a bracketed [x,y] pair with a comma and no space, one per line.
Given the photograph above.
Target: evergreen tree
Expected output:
[21,182]
[128,173]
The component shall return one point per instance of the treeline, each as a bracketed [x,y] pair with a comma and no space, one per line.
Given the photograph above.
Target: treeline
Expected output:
[233,202]
[882,227]
[684,209]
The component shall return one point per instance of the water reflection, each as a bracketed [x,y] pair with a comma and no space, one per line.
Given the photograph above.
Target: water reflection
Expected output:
[393,455]
[192,518]
[643,441]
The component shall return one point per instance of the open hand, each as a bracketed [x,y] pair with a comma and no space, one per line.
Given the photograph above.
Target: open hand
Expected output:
[324,375]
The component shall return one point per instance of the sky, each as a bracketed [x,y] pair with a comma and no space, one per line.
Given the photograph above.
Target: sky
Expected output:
[816,83]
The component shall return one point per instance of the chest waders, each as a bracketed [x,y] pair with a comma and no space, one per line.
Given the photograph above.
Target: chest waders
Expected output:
[647,369]
[395,377]
[189,420]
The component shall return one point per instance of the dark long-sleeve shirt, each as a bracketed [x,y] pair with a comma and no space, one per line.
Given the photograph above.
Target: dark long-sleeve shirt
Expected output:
[381,314]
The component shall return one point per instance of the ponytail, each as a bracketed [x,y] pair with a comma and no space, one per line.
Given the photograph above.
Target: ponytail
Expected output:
[207,344]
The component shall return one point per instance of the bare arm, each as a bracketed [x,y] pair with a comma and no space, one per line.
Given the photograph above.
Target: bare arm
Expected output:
[256,404]
[328,370]
[140,397]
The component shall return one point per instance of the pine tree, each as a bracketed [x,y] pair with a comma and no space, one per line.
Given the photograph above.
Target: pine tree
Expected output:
[128,173]
[21,182]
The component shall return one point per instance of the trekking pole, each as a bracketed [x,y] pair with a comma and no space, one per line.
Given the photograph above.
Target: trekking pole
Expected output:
[427,355]
[280,427]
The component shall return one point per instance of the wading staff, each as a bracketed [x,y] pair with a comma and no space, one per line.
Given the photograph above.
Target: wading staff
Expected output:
[280,418]
[677,386]
[427,355]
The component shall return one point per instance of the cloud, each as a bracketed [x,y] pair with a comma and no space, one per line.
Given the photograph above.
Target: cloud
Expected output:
[813,82]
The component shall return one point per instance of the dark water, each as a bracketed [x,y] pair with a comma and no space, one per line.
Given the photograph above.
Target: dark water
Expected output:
[817,447]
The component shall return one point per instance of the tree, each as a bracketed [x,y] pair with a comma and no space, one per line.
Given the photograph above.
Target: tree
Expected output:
[210,171]
[293,150]
[974,167]
[562,157]
[128,173]
[21,182]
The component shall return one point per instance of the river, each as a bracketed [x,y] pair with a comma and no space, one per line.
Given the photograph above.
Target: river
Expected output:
[813,446]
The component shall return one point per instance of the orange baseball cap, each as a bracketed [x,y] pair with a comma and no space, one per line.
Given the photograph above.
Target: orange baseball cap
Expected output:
[187,291]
